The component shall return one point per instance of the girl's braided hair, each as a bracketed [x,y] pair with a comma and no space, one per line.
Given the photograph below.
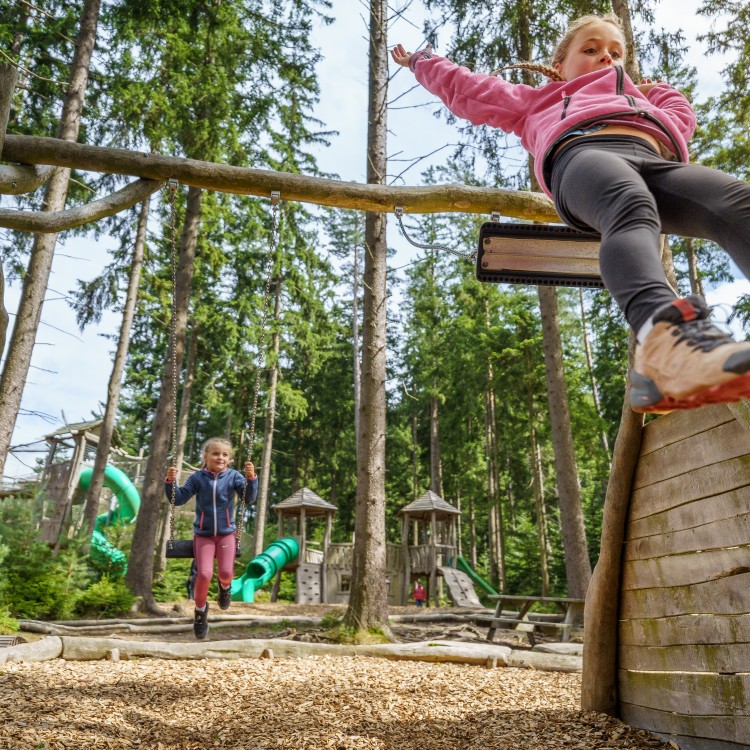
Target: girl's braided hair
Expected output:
[563,47]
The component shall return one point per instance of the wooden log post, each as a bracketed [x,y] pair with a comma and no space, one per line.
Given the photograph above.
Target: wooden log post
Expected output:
[406,560]
[599,688]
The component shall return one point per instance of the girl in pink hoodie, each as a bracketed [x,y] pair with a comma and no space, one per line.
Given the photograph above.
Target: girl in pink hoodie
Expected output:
[613,156]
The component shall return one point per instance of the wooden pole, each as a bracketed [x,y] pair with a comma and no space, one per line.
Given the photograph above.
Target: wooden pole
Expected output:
[599,687]
[407,561]
[326,544]
[433,560]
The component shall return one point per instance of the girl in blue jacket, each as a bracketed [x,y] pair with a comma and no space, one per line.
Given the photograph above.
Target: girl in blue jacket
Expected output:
[214,488]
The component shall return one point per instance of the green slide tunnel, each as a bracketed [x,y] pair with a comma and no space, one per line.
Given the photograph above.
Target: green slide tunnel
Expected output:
[103,554]
[261,569]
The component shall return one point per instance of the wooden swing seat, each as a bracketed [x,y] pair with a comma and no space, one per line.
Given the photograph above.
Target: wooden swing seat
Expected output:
[537,254]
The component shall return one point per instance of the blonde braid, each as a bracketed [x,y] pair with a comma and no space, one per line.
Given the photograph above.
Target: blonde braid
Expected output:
[546,70]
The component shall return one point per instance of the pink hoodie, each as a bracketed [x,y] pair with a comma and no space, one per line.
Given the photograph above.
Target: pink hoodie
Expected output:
[543,116]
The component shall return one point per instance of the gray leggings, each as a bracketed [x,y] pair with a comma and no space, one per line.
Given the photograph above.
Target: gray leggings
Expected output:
[619,186]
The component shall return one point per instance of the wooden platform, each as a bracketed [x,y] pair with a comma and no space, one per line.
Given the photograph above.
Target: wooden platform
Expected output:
[684,632]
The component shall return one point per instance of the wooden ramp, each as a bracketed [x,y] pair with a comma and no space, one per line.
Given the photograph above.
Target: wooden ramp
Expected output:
[460,588]
[684,630]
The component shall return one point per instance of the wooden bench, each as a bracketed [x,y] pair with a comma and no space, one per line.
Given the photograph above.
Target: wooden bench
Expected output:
[527,626]
[524,622]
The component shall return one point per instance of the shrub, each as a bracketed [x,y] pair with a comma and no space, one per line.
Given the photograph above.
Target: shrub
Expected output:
[34,583]
[105,598]
[8,624]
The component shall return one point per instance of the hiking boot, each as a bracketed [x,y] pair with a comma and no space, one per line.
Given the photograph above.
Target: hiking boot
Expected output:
[225,596]
[685,361]
[200,624]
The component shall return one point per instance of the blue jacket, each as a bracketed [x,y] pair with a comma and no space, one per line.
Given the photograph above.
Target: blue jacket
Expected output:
[214,499]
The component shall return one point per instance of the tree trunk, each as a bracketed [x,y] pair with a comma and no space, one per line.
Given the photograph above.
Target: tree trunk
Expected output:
[273,382]
[368,601]
[355,343]
[20,350]
[592,378]
[140,570]
[494,512]
[165,530]
[472,535]
[696,287]
[577,564]
[494,507]
[414,456]
[436,469]
[537,481]
[8,78]
[115,378]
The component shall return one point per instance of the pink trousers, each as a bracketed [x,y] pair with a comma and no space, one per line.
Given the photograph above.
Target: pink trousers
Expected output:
[206,548]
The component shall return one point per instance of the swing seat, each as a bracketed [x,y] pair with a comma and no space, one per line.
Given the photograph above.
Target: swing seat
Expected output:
[180,549]
[538,254]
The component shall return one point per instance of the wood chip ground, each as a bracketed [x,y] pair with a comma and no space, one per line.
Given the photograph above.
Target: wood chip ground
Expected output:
[317,703]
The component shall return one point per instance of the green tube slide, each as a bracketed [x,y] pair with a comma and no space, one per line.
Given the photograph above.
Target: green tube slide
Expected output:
[261,569]
[103,554]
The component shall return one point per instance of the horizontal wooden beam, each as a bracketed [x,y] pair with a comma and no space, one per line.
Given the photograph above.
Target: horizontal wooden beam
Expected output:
[58,221]
[226,178]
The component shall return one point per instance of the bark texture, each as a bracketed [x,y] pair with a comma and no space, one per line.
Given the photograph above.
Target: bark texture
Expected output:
[368,602]
[21,347]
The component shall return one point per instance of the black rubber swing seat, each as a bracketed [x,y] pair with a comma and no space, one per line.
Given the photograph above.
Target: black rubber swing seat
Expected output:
[180,549]
[538,254]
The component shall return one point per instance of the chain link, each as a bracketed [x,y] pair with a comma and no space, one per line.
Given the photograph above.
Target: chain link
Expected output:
[471,257]
[173,184]
[272,235]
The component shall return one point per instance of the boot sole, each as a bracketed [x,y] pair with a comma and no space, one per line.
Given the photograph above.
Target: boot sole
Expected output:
[201,636]
[645,397]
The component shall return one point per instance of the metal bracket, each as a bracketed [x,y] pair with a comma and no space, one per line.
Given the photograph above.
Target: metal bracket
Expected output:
[275,197]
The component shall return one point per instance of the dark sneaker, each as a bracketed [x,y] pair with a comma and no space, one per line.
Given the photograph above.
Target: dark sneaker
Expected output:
[200,624]
[225,597]
[686,361]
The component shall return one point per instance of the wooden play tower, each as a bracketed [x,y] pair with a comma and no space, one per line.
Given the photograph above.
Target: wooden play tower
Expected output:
[429,533]
[309,567]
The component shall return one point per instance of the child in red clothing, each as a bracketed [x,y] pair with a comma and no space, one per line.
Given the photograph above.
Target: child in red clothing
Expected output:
[420,595]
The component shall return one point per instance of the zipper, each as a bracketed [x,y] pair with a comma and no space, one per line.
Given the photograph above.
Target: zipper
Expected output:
[216,519]
[633,112]
[566,101]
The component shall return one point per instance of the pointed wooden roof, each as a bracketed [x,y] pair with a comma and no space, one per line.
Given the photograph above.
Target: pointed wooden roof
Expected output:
[313,504]
[428,504]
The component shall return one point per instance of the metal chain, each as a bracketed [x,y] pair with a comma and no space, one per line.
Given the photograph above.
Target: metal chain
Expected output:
[431,246]
[173,346]
[275,197]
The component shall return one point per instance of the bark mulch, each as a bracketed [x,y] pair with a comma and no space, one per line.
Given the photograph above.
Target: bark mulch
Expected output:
[316,703]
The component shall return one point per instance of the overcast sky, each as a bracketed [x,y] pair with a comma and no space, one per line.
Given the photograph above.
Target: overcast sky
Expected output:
[70,370]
